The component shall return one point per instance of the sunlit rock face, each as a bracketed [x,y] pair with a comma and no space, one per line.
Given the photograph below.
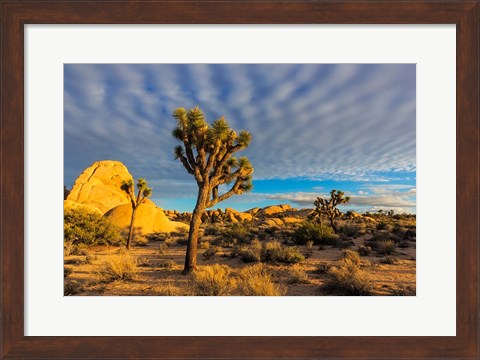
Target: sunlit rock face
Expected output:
[98,189]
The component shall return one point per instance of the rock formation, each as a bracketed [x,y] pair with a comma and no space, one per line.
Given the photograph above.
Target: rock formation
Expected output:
[98,189]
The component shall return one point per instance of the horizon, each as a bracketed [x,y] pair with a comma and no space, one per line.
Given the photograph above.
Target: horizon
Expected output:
[315,128]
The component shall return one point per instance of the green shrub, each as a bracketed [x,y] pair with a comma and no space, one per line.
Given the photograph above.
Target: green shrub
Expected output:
[318,233]
[255,280]
[236,231]
[212,230]
[351,230]
[274,252]
[382,225]
[158,236]
[212,280]
[251,253]
[89,228]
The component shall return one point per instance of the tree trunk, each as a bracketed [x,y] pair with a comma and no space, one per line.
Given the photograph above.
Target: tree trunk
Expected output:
[191,256]
[130,231]
[332,224]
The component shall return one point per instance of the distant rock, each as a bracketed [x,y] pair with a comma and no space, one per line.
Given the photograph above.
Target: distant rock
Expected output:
[99,185]
[274,209]
[291,220]
[273,222]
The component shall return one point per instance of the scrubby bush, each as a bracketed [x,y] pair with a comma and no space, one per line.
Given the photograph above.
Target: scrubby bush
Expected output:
[364,250]
[210,252]
[162,248]
[236,231]
[212,230]
[318,233]
[251,253]
[382,225]
[169,289]
[385,247]
[157,236]
[255,280]
[72,288]
[274,252]
[390,260]
[89,228]
[118,267]
[350,230]
[348,279]
[212,280]
[381,236]
[353,256]
[297,275]
[167,264]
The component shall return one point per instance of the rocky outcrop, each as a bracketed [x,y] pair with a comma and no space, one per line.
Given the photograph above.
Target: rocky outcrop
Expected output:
[98,189]
[99,185]
[148,219]
[274,209]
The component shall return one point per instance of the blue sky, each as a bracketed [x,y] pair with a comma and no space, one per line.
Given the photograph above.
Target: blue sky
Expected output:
[315,127]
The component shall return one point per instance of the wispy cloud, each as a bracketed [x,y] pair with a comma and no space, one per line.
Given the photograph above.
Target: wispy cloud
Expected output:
[344,122]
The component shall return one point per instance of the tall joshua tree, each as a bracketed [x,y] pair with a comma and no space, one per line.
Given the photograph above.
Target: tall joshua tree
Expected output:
[135,200]
[207,154]
[328,207]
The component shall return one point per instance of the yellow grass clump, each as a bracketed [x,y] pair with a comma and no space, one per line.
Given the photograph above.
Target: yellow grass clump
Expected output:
[255,280]
[118,267]
[212,280]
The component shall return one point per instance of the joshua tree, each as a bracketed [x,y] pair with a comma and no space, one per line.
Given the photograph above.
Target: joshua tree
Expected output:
[143,192]
[206,153]
[328,207]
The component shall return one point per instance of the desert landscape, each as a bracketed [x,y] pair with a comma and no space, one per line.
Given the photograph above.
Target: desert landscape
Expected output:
[271,251]
[240,180]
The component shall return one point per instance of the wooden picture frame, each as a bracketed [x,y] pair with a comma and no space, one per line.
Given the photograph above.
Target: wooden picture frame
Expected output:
[15,14]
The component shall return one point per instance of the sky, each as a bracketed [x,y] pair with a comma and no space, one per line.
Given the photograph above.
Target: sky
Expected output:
[315,127]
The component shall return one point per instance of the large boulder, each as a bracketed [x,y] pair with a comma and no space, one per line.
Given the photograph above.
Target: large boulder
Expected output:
[99,185]
[148,218]
[274,209]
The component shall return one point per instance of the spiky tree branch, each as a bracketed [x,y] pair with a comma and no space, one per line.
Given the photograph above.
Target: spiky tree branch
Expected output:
[328,207]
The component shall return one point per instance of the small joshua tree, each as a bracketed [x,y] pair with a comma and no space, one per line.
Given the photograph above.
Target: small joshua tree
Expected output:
[206,153]
[143,192]
[328,207]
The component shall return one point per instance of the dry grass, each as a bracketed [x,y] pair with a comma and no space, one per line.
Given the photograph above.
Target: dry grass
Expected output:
[118,267]
[212,280]
[348,279]
[255,280]
[297,275]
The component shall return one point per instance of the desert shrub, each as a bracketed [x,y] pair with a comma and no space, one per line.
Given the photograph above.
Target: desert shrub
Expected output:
[403,244]
[390,260]
[71,288]
[212,230]
[183,241]
[381,236]
[297,275]
[364,250]
[162,248]
[323,268]
[181,230]
[350,230]
[309,248]
[170,241]
[118,267]
[204,245]
[141,241]
[318,233]
[348,279]
[353,256]
[382,225]
[212,280]
[169,290]
[68,248]
[405,290]
[167,264]
[251,253]
[158,236]
[210,252]
[67,271]
[89,228]
[385,247]
[274,252]
[236,231]
[255,280]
